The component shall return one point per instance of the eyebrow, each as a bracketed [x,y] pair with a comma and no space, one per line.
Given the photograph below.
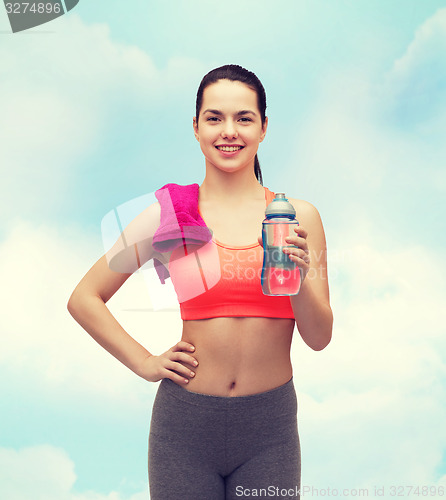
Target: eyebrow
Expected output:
[242,112]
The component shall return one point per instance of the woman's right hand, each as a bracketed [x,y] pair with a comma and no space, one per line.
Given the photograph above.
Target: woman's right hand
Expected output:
[166,365]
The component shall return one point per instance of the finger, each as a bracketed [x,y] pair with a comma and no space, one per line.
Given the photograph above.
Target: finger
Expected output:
[298,242]
[260,240]
[297,254]
[187,358]
[303,245]
[181,356]
[181,369]
[301,231]
[183,346]
[300,263]
[178,379]
[174,371]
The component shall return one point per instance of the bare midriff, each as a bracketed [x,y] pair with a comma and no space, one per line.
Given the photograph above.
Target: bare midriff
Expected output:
[238,356]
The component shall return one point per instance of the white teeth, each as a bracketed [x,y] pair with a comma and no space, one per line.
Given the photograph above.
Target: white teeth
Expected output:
[229,148]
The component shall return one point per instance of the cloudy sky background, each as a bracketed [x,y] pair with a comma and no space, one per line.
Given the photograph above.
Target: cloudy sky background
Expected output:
[96,110]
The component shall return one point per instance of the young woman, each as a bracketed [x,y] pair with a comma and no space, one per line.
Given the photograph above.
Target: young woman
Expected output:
[224,420]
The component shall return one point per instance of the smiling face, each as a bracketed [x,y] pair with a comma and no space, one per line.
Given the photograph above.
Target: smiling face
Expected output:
[229,127]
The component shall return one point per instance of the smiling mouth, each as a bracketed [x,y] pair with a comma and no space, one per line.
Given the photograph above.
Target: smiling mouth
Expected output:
[229,149]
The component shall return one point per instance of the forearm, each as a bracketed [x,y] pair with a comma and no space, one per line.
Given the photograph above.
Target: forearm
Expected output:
[314,319]
[96,319]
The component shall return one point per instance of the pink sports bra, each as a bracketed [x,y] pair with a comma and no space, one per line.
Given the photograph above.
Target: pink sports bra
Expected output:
[217,280]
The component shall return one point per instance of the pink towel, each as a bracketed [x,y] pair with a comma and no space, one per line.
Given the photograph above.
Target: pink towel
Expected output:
[180,222]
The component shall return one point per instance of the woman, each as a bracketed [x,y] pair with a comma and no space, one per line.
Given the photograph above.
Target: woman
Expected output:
[224,420]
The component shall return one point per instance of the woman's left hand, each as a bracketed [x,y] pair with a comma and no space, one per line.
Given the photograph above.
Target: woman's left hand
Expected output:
[299,253]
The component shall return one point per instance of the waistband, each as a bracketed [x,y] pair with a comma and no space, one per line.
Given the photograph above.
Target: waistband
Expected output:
[272,396]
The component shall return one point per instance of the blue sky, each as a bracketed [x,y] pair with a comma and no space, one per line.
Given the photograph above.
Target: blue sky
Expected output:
[96,110]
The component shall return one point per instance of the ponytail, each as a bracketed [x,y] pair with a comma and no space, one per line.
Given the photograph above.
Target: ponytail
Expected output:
[257,170]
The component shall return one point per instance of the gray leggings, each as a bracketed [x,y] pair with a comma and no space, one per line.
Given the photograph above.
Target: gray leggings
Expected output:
[205,447]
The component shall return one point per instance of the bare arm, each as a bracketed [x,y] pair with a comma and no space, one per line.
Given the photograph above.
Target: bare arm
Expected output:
[87,306]
[87,303]
[311,307]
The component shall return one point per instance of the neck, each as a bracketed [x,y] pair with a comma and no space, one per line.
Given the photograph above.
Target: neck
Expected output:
[227,187]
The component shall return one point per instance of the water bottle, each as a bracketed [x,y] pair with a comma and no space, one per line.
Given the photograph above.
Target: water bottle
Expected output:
[280,275]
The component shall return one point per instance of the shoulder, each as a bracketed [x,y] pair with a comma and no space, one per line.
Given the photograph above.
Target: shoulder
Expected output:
[148,219]
[309,218]
[152,214]
[305,210]
[142,228]
[154,210]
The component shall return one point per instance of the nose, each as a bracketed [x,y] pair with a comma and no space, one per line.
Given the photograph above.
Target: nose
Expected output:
[229,130]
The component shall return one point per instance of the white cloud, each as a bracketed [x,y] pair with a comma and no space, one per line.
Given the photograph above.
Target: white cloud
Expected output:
[371,405]
[381,437]
[44,473]
[369,136]
[422,68]
[341,155]
[60,91]
[40,267]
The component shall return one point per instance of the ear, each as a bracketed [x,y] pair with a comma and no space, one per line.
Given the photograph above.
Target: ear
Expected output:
[195,125]
[264,127]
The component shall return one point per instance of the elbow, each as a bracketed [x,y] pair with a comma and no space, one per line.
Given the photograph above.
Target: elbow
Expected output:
[322,344]
[79,302]
[325,334]
[72,304]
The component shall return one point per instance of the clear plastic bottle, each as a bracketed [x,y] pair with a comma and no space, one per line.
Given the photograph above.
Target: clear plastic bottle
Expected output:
[280,275]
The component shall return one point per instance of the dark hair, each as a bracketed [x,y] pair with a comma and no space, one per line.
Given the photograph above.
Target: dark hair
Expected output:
[235,73]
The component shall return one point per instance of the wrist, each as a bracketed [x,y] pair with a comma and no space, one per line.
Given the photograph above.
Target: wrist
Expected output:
[140,368]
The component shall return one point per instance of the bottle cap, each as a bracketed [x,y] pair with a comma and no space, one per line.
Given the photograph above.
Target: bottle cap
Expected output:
[280,206]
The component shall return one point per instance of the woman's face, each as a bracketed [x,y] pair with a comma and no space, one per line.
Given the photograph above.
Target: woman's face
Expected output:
[230,127]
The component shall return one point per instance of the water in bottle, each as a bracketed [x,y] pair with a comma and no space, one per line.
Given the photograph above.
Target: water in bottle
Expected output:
[280,275]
